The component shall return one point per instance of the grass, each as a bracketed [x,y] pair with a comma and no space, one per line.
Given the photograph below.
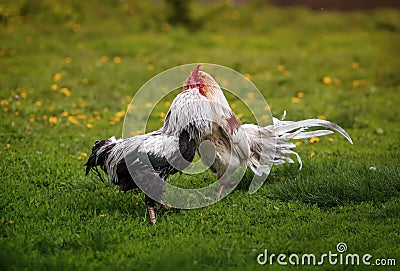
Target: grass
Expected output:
[69,69]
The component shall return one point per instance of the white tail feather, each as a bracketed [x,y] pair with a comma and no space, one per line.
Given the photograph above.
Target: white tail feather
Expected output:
[270,146]
[283,127]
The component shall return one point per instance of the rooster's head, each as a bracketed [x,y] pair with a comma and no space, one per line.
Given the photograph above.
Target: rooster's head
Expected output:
[207,86]
[194,81]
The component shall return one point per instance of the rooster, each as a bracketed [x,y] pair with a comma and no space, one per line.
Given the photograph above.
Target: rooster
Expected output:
[229,140]
[150,158]
[249,144]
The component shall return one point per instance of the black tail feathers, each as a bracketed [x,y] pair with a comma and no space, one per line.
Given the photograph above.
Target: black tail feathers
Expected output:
[96,158]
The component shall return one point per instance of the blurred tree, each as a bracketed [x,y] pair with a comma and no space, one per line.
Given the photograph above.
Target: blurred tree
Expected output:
[178,12]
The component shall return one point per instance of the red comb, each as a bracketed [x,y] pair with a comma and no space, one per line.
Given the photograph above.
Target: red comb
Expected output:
[193,80]
[196,70]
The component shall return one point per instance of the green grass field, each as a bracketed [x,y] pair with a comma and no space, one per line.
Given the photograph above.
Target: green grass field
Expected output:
[68,70]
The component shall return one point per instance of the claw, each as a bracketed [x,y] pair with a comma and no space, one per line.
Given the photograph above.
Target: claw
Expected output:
[152,215]
[150,210]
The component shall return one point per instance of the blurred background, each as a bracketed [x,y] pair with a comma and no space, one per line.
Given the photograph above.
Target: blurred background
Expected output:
[337,51]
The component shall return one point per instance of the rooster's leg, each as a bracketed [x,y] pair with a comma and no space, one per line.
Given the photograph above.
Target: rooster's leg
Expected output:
[220,191]
[150,210]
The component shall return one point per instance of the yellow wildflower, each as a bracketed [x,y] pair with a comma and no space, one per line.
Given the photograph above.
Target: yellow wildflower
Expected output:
[85,81]
[68,60]
[102,215]
[327,80]
[89,125]
[24,95]
[300,94]
[66,91]
[83,155]
[314,139]
[57,77]
[355,66]
[65,114]
[150,67]
[119,115]
[321,117]
[295,100]
[313,154]
[117,59]
[53,120]
[240,116]
[54,87]
[148,105]
[298,143]
[281,68]
[358,83]
[73,120]
[162,115]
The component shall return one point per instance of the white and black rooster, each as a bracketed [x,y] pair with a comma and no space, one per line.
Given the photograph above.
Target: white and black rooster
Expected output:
[147,158]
